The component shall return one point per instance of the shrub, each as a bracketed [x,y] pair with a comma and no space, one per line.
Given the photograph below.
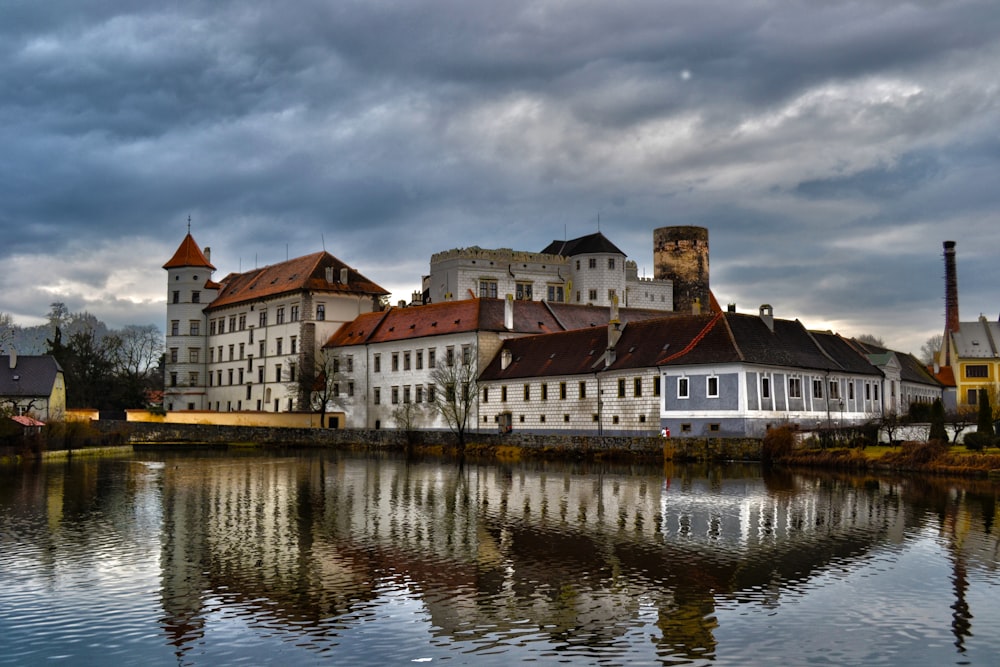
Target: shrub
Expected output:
[923,452]
[937,430]
[978,441]
[778,442]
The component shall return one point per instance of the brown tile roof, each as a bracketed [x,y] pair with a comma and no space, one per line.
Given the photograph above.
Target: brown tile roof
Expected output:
[676,340]
[307,273]
[188,254]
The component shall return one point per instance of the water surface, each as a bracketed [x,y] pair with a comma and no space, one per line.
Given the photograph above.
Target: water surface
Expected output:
[164,558]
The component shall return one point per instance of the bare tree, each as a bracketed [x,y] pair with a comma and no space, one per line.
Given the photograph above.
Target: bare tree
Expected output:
[457,393]
[406,416]
[319,383]
[929,350]
[135,354]
[871,339]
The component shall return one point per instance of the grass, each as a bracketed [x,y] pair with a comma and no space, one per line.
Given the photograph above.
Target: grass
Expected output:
[909,456]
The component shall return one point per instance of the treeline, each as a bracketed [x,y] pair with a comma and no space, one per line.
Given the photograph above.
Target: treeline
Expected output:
[104,369]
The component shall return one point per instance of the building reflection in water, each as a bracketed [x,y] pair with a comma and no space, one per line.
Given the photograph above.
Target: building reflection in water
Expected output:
[576,556]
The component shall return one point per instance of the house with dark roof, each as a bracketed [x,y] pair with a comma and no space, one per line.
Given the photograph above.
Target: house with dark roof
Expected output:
[711,375]
[243,342]
[590,270]
[386,360]
[32,386]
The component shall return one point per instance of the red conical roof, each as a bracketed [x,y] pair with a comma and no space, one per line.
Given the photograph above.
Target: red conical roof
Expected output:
[188,254]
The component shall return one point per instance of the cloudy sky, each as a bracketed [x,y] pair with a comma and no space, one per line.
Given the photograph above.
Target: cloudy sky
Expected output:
[828,147]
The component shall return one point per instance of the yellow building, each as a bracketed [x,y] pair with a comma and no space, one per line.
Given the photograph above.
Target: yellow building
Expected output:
[974,360]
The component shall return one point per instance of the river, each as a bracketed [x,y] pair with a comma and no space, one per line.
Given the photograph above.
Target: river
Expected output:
[318,558]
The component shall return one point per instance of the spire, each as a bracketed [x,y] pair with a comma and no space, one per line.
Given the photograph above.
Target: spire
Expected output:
[188,254]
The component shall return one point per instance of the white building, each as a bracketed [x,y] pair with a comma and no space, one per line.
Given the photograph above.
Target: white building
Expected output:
[589,270]
[243,343]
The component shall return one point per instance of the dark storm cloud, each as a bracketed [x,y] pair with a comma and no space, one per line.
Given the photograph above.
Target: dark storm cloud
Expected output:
[829,148]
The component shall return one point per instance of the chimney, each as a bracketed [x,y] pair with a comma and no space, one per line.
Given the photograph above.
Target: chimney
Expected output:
[508,313]
[731,308]
[614,333]
[950,298]
[208,253]
[13,357]
[767,315]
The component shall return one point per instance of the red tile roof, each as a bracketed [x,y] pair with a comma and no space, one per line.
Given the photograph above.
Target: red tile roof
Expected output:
[476,314]
[188,254]
[302,273]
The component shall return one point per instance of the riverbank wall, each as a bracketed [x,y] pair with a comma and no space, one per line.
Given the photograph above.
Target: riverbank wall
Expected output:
[486,444]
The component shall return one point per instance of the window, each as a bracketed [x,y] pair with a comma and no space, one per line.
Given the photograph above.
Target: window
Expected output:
[240,371]
[555,293]
[176,297]
[406,361]
[486,394]
[420,359]
[682,387]
[377,363]
[211,355]
[175,327]
[592,295]
[279,344]
[592,263]
[350,363]
[794,387]
[430,393]
[243,322]
[377,395]
[834,389]
[488,289]
[503,394]
[193,378]
[972,396]
[195,296]
[262,317]
[194,327]
[277,372]
[527,392]
[212,326]
[611,263]
[395,361]
[431,361]
[714,428]
[545,392]
[583,390]
[406,394]
[522,291]
[466,354]
[656,386]
[765,387]
[262,349]
[875,392]
[685,428]
[611,296]
[712,386]
[293,314]
[868,392]
[173,379]
[243,350]
[394,397]
[173,355]
[566,418]
[230,375]
[817,388]
[577,265]
[637,387]
[291,373]
[294,342]
[418,393]
[977,371]
[320,312]
[562,391]
[621,387]
[279,315]
[260,373]
[222,325]
[449,355]
[541,418]
[193,355]
[850,391]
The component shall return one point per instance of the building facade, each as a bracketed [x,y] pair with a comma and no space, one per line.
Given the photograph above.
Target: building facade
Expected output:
[251,340]
[589,270]
[32,386]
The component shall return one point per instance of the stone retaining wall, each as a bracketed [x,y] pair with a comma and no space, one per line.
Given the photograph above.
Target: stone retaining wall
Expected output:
[556,445]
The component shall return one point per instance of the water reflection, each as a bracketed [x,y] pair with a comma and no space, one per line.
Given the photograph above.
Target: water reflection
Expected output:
[376,558]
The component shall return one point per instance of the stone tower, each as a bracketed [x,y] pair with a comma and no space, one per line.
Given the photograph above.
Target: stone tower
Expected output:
[680,254]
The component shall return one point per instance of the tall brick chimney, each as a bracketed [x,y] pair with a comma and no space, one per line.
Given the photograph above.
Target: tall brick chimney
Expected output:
[950,298]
